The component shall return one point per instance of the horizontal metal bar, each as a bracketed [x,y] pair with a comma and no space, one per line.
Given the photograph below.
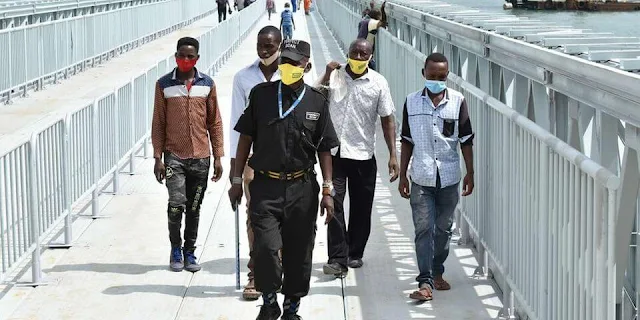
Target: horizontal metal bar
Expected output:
[561,40]
[581,48]
[629,64]
[603,55]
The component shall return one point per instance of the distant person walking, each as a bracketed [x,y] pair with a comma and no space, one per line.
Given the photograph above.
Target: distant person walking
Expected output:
[287,24]
[294,4]
[186,118]
[435,169]
[368,28]
[223,7]
[307,7]
[270,8]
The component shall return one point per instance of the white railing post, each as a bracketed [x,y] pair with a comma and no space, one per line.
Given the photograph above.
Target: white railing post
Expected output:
[147,105]
[34,218]
[66,174]
[132,156]
[543,211]
[95,161]
[116,137]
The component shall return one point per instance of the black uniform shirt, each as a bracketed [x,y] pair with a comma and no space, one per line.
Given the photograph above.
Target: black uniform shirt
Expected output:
[286,145]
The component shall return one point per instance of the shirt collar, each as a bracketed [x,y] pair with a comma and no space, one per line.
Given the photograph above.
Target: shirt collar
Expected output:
[198,75]
[366,76]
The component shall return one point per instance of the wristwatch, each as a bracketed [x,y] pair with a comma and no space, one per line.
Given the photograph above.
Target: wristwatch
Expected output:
[236,180]
[327,189]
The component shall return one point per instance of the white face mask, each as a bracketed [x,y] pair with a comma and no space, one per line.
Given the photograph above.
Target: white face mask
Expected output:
[271,59]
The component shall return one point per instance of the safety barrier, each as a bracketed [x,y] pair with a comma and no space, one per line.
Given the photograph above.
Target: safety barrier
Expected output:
[79,155]
[35,55]
[20,13]
[543,215]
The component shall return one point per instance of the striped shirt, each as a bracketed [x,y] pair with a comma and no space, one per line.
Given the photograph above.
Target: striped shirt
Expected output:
[185,120]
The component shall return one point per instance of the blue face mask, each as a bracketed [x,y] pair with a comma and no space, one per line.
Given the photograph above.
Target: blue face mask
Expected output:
[435,86]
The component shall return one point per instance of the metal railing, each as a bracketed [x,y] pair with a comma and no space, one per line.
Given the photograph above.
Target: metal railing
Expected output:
[33,56]
[76,157]
[543,214]
[20,13]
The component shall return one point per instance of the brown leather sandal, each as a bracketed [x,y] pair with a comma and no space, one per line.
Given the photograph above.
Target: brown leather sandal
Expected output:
[422,294]
[441,285]
[250,292]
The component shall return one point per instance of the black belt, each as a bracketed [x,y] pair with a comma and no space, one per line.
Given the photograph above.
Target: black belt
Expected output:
[286,176]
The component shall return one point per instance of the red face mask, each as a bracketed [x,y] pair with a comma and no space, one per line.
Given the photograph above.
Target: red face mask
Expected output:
[185,65]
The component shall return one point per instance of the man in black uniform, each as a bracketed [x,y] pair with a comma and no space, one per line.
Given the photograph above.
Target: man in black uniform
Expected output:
[287,122]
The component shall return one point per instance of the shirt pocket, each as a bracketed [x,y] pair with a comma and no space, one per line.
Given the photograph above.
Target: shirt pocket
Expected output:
[309,128]
[449,126]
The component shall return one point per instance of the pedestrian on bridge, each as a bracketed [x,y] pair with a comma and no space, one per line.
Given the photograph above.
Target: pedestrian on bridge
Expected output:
[368,27]
[288,123]
[223,6]
[366,98]
[264,69]
[435,121]
[270,8]
[185,118]
[287,24]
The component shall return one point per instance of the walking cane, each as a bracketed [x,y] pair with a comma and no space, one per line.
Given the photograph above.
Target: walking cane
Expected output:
[237,246]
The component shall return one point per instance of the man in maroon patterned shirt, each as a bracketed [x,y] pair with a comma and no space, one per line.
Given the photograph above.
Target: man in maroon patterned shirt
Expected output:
[186,118]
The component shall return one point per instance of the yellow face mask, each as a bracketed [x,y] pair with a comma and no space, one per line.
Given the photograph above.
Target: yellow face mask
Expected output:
[357,66]
[290,74]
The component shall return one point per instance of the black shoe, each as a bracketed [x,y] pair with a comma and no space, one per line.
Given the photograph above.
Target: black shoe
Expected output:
[335,269]
[291,316]
[355,263]
[269,312]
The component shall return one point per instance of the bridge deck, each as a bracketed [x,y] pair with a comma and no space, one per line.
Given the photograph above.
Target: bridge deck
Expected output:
[117,267]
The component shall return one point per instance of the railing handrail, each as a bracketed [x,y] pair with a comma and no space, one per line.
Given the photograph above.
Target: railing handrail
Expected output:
[96,14]
[96,157]
[43,7]
[599,173]
[601,86]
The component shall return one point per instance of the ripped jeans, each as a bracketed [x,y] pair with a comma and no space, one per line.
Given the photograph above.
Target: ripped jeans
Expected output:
[186,182]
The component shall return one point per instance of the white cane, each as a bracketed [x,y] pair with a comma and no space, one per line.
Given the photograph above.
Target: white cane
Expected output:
[237,245]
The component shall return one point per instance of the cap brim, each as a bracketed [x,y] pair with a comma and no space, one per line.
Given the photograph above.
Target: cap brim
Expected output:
[292,55]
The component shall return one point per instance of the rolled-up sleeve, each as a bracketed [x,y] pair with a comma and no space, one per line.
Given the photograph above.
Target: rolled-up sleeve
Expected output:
[385,102]
[405,134]
[238,104]
[465,132]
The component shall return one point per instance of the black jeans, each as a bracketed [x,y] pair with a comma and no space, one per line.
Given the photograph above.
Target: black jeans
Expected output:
[361,178]
[186,183]
[222,13]
[283,215]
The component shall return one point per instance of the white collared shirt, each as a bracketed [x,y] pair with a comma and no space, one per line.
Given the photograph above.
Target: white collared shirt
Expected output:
[247,78]
[356,115]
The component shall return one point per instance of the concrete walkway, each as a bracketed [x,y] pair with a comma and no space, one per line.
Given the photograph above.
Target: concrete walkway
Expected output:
[117,268]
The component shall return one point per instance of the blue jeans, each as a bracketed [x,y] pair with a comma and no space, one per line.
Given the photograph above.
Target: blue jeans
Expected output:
[287,32]
[433,209]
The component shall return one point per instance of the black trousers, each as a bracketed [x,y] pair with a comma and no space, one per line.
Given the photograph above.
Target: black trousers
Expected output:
[360,176]
[222,13]
[186,182]
[283,215]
